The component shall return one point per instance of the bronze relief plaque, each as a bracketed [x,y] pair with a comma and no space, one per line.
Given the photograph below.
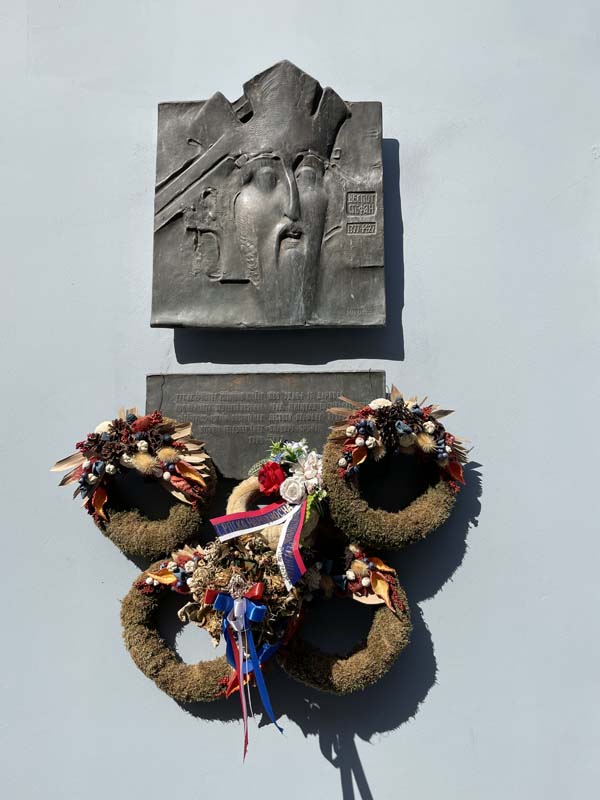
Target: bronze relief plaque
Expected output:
[269,210]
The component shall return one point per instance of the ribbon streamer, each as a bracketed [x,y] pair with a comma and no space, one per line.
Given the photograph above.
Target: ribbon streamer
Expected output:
[238,615]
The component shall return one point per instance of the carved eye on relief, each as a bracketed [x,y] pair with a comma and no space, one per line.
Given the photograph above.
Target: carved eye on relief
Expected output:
[265,178]
[309,172]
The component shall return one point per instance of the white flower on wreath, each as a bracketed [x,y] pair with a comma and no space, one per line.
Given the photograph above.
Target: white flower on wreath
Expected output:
[379,402]
[293,490]
[309,470]
[300,448]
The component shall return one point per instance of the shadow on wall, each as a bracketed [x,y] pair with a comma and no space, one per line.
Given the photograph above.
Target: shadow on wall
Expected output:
[423,569]
[319,345]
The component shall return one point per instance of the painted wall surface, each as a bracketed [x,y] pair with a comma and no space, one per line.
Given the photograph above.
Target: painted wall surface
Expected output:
[492,122]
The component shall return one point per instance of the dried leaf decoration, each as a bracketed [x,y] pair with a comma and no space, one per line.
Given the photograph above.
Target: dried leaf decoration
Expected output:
[193,458]
[381,566]
[359,455]
[369,599]
[350,402]
[74,475]
[395,393]
[456,471]
[164,576]
[186,471]
[439,413]
[381,588]
[99,499]
[174,491]
[66,463]
[182,430]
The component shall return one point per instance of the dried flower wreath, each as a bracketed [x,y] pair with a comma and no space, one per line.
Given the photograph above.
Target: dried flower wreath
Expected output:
[163,452]
[251,587]
[377,431]
[367,580]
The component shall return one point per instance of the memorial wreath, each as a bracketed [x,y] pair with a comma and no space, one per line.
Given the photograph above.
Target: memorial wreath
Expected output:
[166,455]
[254,587]
[378,431]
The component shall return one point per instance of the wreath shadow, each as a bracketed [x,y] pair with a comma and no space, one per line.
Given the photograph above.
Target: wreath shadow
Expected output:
[337,721]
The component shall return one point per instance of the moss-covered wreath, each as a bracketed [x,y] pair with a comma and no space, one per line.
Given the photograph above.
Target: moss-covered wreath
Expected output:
[161,451]
[376,432]
[367,662]
[204,681]
[369,659]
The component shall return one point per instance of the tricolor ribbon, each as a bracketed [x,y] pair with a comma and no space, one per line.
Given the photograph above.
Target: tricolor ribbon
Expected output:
[238,615]
[290,517]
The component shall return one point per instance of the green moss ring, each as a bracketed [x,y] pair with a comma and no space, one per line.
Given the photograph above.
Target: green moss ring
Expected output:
[187,683]
[366,663]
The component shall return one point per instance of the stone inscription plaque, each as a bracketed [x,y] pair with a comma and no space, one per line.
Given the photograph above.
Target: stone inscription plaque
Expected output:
[269,209]
[239,415]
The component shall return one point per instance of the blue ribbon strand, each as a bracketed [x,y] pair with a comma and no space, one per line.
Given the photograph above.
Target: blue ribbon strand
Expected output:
[255,612]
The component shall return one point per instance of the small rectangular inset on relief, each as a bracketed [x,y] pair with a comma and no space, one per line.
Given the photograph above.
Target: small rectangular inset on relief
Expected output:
[361,228]
[361,204]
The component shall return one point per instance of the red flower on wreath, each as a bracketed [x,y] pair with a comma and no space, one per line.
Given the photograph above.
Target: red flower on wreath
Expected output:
[270,477]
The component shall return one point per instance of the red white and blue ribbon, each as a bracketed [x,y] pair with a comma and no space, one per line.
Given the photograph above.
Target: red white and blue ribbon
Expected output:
[238,615]
[290,517]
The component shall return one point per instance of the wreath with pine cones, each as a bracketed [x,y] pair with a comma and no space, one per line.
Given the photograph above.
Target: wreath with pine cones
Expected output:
[163,453]
[380,433]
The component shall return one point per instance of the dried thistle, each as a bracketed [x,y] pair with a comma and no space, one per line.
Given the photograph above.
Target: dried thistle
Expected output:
[168,454]
[144,463]
[426,442]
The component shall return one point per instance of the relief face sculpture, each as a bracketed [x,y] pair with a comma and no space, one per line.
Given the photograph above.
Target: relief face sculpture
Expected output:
[269,210]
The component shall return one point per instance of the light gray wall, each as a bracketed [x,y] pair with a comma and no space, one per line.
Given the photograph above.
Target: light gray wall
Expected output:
[495,108]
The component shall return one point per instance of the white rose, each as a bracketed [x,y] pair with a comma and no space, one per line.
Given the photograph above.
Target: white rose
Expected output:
[311,465]
[189,566]
[371,442]
[308,470]
[351,430]
[380,402]
[429,427]
[292,490]
[171,566]
[360,442]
